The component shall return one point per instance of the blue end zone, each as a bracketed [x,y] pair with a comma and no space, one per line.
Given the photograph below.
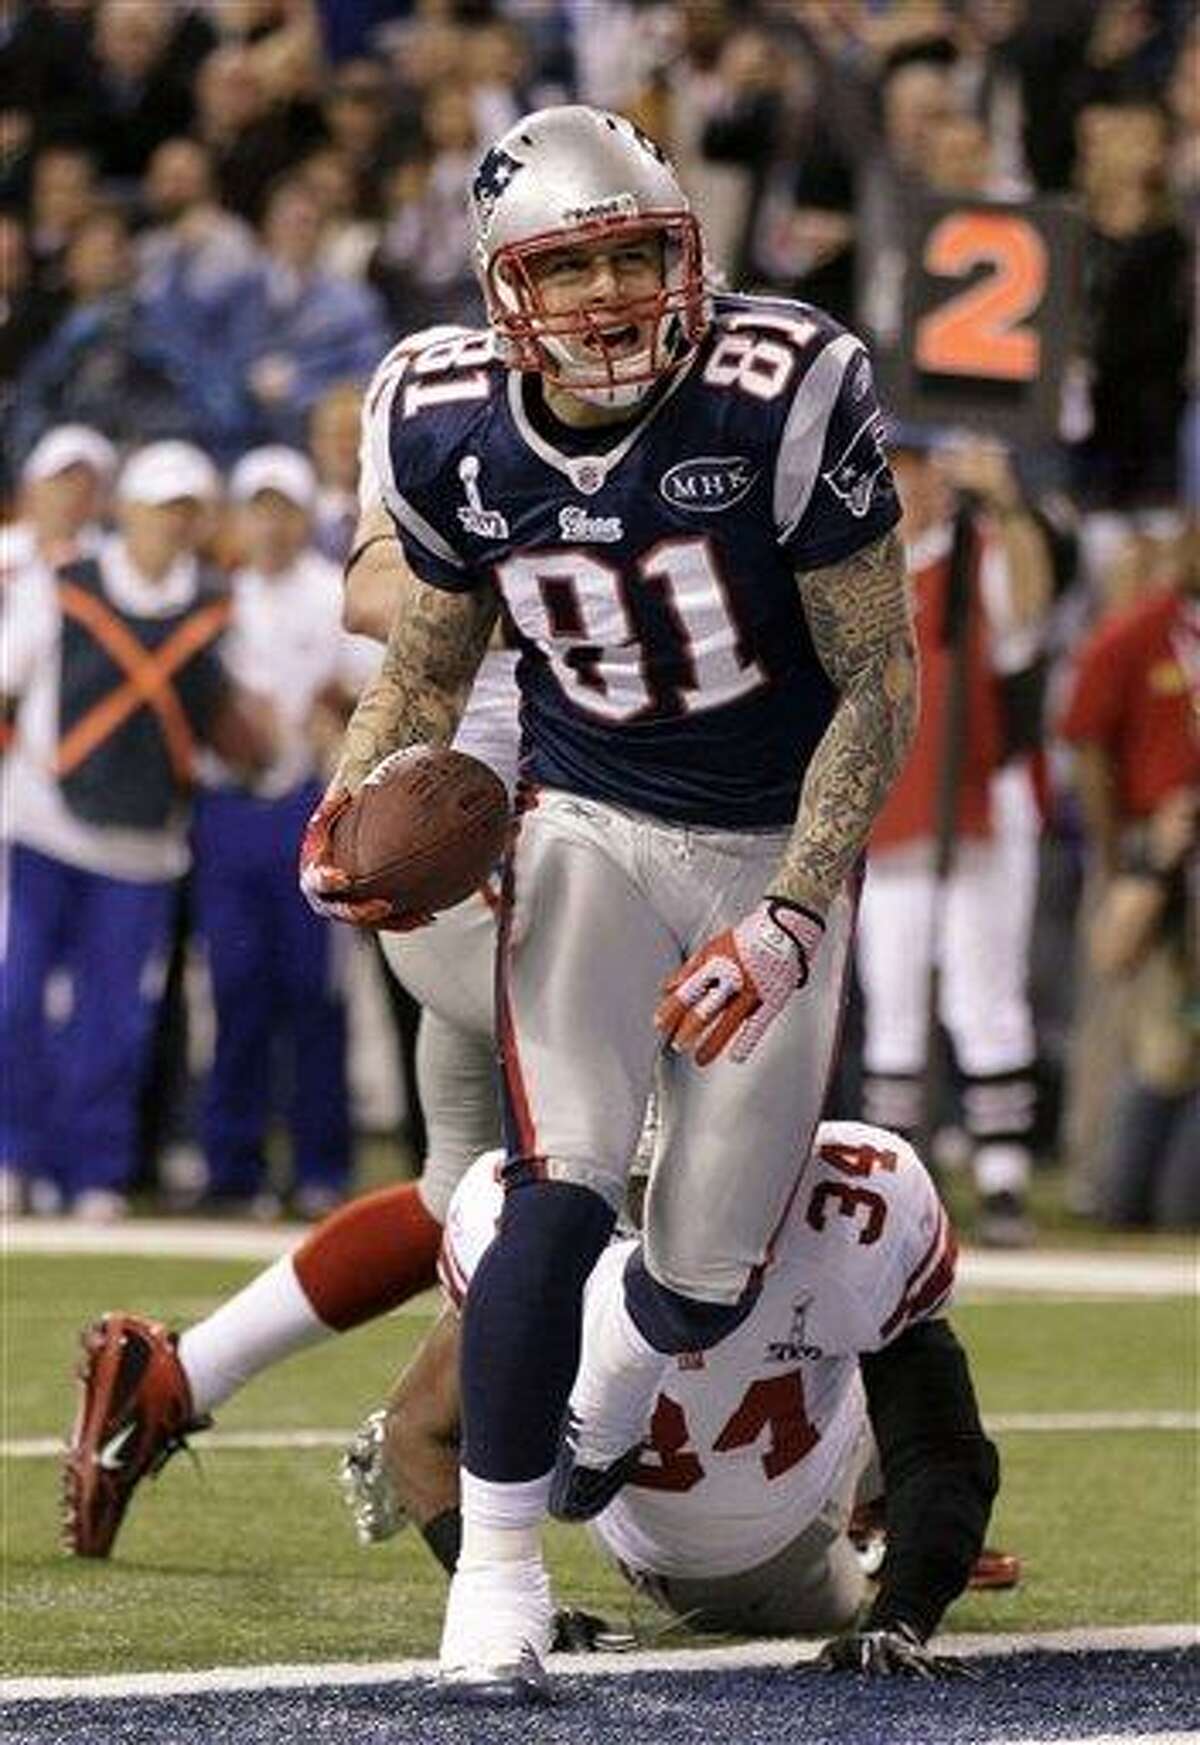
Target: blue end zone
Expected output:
[1026,1696]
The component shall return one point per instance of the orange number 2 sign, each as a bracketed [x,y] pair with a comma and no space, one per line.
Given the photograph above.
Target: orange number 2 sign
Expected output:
[978,332]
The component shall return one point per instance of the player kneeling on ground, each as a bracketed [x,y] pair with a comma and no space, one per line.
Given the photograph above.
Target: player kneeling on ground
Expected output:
[844,1382]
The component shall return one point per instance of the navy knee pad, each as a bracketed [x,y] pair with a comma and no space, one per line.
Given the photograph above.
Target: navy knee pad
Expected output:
[521,1327]
[673,1323]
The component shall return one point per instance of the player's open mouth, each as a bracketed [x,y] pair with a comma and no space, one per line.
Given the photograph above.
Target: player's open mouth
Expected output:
[615,341]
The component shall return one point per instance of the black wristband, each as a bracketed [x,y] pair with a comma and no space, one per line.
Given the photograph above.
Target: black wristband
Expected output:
[773,902]
[443,1535]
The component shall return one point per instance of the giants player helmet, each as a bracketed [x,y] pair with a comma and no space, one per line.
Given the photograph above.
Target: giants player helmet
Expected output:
[574,175]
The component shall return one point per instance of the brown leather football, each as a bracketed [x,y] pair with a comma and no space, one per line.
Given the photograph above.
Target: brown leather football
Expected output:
[424,830]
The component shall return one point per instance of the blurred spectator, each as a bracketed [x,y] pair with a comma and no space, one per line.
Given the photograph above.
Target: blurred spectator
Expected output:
[1130,717]
[284,41]
[108,362]
[45,79]
[62,195]
[276,968]
[140,92]
[780,121]
[358,110]
[189,239]
[1183,99]
[64,491]
[979,920]
[254,138]
[695,72]
[302,329]
[27,315]
[113,659]
[1127,53]
[1010,54]
[958,157]
[194,259]
[918,98]
[424,265]
[1146,935]
[1130,712]
[348,240]
[333,438]
[1138,301]
[425,50]
[496,67]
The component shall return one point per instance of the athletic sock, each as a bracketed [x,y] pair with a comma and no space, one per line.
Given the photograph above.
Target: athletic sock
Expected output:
[369,1256]
[364,1259]
[520,1341]
[502,1523]
[1000,1109]
[619,1375]
[267,1321]
[893,1100]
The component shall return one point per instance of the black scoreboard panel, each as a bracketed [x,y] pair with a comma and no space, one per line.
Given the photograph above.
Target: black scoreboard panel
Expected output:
[985,306]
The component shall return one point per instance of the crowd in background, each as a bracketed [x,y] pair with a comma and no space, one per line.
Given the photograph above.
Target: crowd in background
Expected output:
[215,217]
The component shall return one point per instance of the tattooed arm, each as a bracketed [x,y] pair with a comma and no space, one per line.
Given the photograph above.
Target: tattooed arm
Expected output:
[434,648]
[861,625]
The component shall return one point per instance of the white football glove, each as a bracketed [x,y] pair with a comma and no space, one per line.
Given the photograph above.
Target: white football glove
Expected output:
[736,985]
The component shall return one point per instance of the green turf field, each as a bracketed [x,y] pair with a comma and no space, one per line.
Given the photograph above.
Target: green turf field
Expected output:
[250,1557]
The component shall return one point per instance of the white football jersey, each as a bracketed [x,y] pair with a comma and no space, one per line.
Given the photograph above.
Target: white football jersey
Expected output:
[489,729]
[748,1441]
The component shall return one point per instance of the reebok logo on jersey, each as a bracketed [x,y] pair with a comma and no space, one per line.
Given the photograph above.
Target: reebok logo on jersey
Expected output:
[795,1346]
[709,483]
[483,523]
[852,476]
[574,523]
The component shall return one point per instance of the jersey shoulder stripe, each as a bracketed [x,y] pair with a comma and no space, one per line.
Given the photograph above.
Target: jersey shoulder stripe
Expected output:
[435,400]
[825,421]
[929,1284]
[394,362]
[388,371]
[872,1235]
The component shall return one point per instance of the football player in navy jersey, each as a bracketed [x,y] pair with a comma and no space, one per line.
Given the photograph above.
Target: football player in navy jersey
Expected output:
[680,503]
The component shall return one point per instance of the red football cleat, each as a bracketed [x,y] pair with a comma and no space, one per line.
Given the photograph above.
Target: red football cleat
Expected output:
[995,1569]
[135,1411]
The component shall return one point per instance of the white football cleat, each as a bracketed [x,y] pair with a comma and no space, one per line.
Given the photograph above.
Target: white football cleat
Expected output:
[498,1629]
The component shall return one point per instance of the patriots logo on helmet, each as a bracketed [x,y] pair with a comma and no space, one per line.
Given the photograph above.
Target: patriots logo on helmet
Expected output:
[491,179]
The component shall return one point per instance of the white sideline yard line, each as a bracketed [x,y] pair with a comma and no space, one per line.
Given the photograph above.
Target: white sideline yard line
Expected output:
[1145,1638]
[1061,1272]
[999,1423]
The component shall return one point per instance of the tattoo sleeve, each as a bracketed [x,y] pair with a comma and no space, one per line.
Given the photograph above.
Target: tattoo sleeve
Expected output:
[434,648]
[861,624]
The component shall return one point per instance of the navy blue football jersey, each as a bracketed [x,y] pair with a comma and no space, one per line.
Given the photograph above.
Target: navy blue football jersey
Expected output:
[649,570]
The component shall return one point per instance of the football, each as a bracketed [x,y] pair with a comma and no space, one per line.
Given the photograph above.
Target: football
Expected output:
[424,830]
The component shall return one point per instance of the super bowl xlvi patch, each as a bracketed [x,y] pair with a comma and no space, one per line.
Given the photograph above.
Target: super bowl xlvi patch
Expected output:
[852,476]
[709,483]
[576,525]
[795,1345]
[491,179]
[483,523]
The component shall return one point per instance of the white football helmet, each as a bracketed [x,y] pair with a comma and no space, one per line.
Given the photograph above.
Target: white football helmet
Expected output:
[573,175]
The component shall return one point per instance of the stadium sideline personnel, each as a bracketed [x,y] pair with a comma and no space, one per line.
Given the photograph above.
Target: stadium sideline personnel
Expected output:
[116,664]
